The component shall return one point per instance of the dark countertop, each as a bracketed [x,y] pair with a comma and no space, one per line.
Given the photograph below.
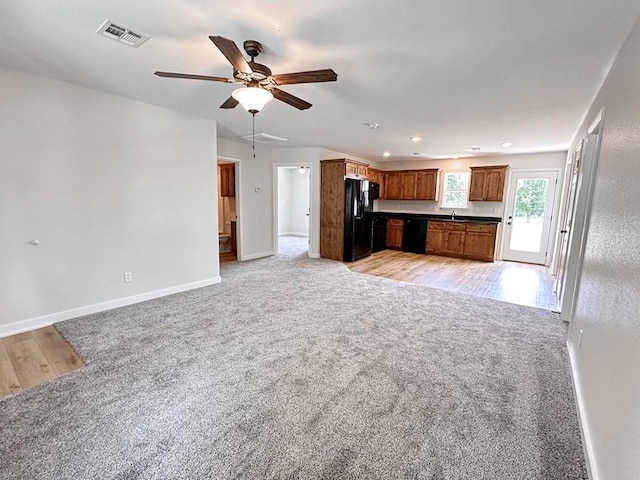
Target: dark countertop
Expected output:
[440,217]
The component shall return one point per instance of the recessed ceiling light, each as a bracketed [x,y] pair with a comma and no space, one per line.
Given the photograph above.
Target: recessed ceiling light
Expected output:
[506,144]
[415,139]
[473,149]
[386,154]
[455,157]
[371,126]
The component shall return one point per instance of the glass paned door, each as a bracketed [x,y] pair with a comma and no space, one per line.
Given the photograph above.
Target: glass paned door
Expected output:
[529,206]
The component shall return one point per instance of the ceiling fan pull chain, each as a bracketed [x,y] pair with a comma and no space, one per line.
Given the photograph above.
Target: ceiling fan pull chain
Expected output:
[253,134]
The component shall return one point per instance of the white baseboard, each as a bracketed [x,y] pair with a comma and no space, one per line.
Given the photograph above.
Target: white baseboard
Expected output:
[46,320]
[582,420]
[314,255]
[253,256]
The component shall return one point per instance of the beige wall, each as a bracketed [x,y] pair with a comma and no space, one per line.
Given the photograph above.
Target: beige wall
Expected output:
[607,363]
[107,185]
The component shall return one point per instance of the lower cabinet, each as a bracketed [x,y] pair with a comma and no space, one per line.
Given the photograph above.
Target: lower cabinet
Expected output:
[395,228]
[480,242]
[475,241]
[444,238]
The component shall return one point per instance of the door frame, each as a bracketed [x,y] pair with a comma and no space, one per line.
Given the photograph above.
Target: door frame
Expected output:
[554,211]
[238,191]
[567,209]
[581,217]
[312,172]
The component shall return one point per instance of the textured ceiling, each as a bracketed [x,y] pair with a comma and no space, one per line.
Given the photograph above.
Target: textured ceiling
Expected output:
[457,73]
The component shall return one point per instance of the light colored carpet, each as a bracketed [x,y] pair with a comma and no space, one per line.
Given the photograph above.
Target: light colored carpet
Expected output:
[299,368]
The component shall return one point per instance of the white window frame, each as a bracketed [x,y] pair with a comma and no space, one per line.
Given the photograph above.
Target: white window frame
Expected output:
[444,189]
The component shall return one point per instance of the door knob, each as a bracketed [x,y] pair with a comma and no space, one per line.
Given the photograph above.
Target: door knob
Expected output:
[508,223]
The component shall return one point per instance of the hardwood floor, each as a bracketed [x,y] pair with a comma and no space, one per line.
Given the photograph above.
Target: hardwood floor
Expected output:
[520,283]
[228,257]
[30,358]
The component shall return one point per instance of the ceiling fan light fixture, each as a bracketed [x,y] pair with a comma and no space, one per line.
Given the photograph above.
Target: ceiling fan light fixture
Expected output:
[252,99]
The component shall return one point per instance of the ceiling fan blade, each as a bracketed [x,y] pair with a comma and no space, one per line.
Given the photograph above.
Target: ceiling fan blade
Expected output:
[229,103]
[192,77]
[231,51]
[290,99]
[326,75]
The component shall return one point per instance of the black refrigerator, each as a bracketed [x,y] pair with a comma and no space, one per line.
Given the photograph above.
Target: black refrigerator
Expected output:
[357,219]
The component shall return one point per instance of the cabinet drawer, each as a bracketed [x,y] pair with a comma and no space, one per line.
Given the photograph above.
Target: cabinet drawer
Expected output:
[395,222]
[437,225]
[456,227]
[481,228]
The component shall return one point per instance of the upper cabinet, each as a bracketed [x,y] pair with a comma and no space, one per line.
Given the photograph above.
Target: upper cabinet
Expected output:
[411,185]
[227,179]
[355,169]
[427,184]
[487,183]
[377,176]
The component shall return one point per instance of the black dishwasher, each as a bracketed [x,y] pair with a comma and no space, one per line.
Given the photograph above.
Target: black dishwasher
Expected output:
[379,233]
[414,237]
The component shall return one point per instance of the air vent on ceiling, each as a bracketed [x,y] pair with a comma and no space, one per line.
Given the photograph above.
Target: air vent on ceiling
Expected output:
[121,34]
[417,154]
[264,138]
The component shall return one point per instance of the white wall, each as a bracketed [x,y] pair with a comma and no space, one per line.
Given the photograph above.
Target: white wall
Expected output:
[607,364]
[255,197]
[284,200]
[107,185]
[293,202]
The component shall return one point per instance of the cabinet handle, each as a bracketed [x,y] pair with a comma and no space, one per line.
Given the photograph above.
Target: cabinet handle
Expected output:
[563,231]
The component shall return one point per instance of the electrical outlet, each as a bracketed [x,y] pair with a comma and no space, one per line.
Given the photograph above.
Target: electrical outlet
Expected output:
[580,339]
[477,209]
[436,208]
[496,210]
[128,277]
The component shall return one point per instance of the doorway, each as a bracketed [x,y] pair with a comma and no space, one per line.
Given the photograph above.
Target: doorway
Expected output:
[227,211]
[566,220]
[293,201]
[529,207]
[578,224]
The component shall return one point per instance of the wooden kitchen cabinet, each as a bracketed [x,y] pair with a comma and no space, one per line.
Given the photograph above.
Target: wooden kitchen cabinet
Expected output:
[377,176]
[407,185]
[411,184]
[427,184]
[445,238]
[332,193]
[355,169]
[392,186]
[487,183]
[227,179]
[480,241]
[470,240]
[395,230]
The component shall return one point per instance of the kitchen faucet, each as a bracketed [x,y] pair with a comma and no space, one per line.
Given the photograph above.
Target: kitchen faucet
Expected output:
[453,214]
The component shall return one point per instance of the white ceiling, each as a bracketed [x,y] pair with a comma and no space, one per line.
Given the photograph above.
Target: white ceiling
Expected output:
[458,73]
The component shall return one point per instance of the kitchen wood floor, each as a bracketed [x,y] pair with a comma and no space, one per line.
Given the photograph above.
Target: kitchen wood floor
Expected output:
[520,283]
[30,358]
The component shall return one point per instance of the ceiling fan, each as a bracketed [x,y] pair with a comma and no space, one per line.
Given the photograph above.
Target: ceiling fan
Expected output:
[260,84]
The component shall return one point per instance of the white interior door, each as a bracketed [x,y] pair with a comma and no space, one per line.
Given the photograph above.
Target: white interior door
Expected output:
[529,210]
[566,220]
